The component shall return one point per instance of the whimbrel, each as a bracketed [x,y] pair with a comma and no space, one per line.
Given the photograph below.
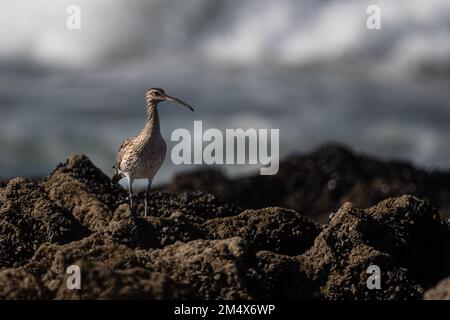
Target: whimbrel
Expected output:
[142,156]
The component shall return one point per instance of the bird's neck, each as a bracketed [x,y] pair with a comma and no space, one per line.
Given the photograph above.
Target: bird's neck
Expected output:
[152,124]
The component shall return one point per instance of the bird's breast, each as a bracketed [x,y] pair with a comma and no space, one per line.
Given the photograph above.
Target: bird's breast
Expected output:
[145,159]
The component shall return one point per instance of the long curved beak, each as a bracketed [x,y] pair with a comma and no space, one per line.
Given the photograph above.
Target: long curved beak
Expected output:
[187,105]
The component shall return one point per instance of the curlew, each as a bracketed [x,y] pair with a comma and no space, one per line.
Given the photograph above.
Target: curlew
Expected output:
[142,156]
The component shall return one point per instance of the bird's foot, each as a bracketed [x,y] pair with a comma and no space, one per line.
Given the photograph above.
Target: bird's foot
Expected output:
[130,199]
[131,203]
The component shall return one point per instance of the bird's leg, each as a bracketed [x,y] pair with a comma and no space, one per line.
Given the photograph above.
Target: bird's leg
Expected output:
[130,190]
[149,185]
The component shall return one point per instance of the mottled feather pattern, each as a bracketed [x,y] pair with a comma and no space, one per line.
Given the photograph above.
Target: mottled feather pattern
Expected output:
[142,156]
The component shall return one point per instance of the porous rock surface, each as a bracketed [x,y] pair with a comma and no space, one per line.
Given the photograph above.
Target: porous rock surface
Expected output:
[194,245]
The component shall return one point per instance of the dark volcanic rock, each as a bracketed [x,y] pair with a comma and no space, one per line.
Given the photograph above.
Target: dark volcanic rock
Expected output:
[85,191]
[151,232]
[28,218]
[99,281]
[411,230]
[132,230]
[51,261]
[387,236]
[193,245]
[196,206]
[440,292]
[177,227]
[321,182]
[277,276]
[215,269]
[17,284]
[274,229]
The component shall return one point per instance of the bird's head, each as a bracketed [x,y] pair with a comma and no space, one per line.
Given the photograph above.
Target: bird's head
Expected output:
[154,96]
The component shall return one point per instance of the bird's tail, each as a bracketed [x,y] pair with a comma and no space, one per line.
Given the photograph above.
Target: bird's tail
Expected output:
[117,175]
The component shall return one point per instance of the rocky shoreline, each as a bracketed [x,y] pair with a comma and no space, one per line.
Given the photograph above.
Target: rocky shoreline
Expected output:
[310,232]
[318,183]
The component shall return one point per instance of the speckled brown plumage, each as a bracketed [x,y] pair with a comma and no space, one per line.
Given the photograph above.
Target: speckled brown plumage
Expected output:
[142,156]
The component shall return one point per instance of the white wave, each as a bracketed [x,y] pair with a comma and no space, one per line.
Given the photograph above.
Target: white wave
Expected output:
[286,32]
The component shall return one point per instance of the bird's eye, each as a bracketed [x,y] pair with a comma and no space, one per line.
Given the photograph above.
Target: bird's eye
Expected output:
[156,93]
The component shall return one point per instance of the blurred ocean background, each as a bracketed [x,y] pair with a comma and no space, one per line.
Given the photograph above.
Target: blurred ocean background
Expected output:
[310,68]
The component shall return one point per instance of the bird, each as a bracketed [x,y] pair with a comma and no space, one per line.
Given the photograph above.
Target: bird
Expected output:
[142,156]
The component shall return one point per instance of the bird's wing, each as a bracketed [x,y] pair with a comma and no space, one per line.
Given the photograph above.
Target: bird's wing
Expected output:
[117,174]
[121,152]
